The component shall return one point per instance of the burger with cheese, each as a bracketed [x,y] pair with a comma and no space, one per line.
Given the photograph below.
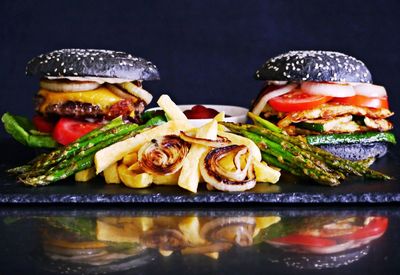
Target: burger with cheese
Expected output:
[81,89]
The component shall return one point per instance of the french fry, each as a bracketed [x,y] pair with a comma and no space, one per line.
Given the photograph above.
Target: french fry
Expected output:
[144,223]
[133,180]
[264,173]
[264,222]
[135,167]
[113,233]
[111,174]
[190,173]
[212,255]
[85,175]
[165,253]
[171,109]
[171,179]
[130,158]
[190,228]
[117,151]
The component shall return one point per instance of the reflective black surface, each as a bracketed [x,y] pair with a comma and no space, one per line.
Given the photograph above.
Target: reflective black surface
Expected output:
[133,240]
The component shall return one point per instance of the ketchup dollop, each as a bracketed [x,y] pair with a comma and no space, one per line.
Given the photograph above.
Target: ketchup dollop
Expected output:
[200,112]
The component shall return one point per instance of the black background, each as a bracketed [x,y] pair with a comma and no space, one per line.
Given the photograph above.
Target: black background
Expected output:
[206,51]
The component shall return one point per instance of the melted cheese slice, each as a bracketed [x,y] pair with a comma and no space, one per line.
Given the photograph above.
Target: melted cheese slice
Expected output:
[101,97]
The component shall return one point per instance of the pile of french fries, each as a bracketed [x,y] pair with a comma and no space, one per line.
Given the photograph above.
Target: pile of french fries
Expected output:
[118,163]
[147,232]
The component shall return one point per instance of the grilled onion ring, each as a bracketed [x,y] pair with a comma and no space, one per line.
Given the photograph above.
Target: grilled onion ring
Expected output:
[163,156]
[236,230]
[68,86]
[223,179]
[220,142]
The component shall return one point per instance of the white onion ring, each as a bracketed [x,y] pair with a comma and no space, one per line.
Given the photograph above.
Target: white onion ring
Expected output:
[218,177]
[163,156]
[328,89]
[220,142]
[370,90]
[257,109]
[119,92]
[237,230]
[165,239]
[137,91]
[68,86]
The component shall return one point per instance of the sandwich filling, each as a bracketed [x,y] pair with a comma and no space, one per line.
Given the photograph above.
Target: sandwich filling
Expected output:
[315,108]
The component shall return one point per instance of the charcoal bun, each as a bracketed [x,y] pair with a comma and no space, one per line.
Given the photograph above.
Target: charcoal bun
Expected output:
[318,66]
[305,261]
[93,63]
[357,151]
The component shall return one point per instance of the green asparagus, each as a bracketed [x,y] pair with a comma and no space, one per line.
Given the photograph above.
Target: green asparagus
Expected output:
[78,156]
[295,155]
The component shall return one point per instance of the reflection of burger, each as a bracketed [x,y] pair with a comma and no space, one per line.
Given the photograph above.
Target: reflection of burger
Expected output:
[82,88]
[72,245]
[328,97]
[323,242]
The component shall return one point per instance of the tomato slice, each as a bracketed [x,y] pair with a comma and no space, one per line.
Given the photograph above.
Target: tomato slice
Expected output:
[42,124]
[67,130]
[363,101]
[376,226]
[305,240]
[297,100]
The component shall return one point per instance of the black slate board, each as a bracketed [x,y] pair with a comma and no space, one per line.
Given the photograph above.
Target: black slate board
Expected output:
[289,190]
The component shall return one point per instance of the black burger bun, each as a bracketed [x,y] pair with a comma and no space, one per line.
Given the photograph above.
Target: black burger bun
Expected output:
[317,66]
[306,261]
[92,63]
[357,151]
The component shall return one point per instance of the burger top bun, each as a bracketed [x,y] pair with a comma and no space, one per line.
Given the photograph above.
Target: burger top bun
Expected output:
[92,63]
[317,66]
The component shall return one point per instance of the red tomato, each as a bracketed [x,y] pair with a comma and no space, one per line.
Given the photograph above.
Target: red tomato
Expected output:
[297,100]
[376,226]
[297,239]
[363,101]
[42,124]
[200,112]
[68,130]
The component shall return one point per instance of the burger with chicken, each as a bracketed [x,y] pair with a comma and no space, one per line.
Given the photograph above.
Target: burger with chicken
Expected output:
[323,242]
[329,98]
[81,89]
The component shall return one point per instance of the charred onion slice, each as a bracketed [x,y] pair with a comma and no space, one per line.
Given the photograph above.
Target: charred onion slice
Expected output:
[119,92]
[165,239]
[237,230]
[220,142]
[224,179]
[163,156]
[137,91]
[68,86]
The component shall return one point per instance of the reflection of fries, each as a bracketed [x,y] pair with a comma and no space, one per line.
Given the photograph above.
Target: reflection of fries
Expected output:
[188,235]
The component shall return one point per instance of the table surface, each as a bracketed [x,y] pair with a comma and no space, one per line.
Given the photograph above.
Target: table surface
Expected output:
[42,240]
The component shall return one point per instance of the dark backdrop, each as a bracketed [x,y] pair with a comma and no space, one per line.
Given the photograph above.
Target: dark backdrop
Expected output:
[206,51]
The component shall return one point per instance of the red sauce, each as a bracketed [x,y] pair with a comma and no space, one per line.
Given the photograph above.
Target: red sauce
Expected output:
[200,112]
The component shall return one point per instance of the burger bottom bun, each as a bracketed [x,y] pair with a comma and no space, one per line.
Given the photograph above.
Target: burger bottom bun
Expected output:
[357,151]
